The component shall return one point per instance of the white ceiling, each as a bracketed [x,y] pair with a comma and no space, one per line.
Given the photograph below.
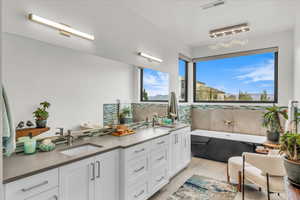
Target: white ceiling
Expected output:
[189,22]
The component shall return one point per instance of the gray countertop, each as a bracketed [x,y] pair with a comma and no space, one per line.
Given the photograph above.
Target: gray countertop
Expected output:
[21,166]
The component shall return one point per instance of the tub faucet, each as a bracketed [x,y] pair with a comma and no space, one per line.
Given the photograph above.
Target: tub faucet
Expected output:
[228,122]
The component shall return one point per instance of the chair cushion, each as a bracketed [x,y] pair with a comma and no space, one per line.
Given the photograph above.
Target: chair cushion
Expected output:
[255,175]
[235,164]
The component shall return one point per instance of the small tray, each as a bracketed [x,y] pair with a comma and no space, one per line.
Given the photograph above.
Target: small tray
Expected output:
[123,134]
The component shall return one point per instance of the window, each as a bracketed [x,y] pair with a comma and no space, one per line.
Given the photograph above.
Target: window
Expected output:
[154,85]
[249,77]
[183,80]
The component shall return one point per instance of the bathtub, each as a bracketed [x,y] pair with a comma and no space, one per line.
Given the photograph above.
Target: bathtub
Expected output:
[220,146]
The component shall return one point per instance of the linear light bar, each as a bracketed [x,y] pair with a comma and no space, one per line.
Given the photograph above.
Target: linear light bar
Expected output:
[61,27]
[213,4]
[229,30]
[152,58]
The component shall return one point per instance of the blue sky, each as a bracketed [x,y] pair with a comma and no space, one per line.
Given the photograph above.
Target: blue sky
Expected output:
[181,68]
[252,73]
[156,82]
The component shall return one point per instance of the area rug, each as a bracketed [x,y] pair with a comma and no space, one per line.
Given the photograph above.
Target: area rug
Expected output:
[204,188]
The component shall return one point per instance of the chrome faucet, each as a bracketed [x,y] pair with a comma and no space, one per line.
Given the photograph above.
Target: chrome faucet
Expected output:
[70,138]
[61,132]
[154,120]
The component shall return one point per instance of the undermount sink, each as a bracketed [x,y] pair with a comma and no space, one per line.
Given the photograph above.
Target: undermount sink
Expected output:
[87,148]
[168,125]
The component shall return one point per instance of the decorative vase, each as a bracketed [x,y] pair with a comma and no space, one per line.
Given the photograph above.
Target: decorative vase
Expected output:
[293,171]
[273,136]
[41,123]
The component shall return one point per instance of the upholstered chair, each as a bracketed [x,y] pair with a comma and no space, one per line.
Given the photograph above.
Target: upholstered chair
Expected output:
[265,171]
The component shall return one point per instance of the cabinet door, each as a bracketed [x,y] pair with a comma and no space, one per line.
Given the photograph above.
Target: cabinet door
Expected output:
[77,180]
[176,152]
[47,195]
[186,148]
[107,176]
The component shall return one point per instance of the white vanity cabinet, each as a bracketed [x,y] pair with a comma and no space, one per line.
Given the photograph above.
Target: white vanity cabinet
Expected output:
[94,178]
[180,150]
[107,176]
[42,186]
[77,180]
[144,169]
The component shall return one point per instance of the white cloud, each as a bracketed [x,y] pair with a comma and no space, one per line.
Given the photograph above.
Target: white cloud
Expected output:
[156,84]
[262,72]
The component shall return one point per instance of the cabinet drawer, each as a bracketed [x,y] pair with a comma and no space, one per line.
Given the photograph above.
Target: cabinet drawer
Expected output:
[27,187]
[47,195]
[159,157]
[160,142]
[136,168]
[136,151]
[138,192]
[159,178]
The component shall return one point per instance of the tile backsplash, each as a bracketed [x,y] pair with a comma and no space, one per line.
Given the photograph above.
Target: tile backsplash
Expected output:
[247,119]
[109,114]
[142,110]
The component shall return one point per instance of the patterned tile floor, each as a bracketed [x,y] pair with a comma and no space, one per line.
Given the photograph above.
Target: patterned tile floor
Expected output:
[211,169]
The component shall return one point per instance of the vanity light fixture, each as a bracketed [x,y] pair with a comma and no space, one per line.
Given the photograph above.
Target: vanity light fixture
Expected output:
[213,4]
[229,30]
[151,58]
[63,29]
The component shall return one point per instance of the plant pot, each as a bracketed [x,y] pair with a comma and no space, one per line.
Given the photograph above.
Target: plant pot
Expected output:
[41,123]
[122,120]
[273,136]
[293,171]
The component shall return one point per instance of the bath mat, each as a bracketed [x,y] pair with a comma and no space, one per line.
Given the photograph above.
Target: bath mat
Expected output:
[204,188]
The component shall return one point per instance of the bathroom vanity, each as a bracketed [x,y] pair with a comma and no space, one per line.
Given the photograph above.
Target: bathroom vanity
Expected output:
[110,168]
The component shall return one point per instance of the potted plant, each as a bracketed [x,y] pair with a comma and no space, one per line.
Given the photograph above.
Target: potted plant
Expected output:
[124,115]
[271,120]
[41,115]
[290,147]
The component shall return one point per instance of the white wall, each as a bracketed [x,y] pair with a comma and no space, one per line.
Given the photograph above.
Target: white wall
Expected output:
[75,83]
[77,75]
[297,58]
[120,33]
[284,41]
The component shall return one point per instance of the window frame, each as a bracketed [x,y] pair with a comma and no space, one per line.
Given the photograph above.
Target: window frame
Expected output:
[142,87]
[242,53]
[186,80]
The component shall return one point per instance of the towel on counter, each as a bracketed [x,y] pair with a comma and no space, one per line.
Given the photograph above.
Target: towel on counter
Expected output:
[9,133]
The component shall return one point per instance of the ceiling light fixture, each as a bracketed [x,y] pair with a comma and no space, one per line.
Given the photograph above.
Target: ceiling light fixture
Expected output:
[229,30]
[213,4]
[151,58]
[63,29]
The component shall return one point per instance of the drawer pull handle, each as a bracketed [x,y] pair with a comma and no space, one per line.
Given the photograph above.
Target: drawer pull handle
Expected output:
[99,166]
[161,142]
[137,195]
[159,180]
[140,169]
[35,186]
[161,158]
[139,151]
[93,171]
